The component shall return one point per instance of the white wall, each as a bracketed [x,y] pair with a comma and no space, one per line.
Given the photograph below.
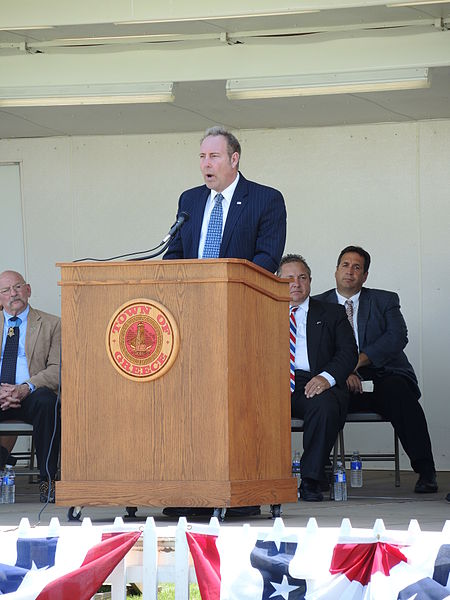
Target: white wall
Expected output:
[382,186]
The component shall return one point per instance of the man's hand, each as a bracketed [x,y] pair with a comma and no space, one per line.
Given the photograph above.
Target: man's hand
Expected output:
[12,395]
[354,384]
[316,386]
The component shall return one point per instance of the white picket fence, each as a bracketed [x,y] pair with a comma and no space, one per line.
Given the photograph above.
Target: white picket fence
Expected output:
[162,555]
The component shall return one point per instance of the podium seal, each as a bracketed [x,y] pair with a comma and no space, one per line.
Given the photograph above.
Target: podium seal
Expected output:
[142,340]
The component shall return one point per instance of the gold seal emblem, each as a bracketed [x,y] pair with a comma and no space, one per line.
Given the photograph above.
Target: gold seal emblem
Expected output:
[142,339]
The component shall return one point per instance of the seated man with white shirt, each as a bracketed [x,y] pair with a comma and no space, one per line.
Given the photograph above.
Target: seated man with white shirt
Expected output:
[29,374]
[323,355]
[381,334]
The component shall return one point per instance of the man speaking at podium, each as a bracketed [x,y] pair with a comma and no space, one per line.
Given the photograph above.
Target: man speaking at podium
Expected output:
[229,216]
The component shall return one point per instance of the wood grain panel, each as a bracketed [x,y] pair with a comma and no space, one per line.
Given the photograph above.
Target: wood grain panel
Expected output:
[176,493]
[201,421]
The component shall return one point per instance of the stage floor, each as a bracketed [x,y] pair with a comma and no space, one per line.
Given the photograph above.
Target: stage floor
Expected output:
[378,498]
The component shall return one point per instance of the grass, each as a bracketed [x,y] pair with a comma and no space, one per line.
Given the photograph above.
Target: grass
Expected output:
[166,591]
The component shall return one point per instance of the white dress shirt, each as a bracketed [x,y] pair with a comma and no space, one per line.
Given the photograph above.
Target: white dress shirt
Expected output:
[301,346]
[226,203]
[22,372]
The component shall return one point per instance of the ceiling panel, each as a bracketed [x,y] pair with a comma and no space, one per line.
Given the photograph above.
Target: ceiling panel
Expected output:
[73,46]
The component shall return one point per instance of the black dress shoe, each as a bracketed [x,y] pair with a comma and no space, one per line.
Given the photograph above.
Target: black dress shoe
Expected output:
[3,456]
[310,491]
[6,458]
[185,511]
[324,485]
[426,484]
[447,497]
[243,511]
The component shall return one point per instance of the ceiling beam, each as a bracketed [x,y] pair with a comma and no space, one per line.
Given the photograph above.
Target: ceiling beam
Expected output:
[29,13]
[216,61]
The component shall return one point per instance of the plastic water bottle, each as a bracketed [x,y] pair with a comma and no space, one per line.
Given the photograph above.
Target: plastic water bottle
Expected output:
[356,480]
[9,485]
[340,483]
[296,467]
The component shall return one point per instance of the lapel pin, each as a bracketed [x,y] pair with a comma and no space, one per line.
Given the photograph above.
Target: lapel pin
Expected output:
[319,323]
[238,202]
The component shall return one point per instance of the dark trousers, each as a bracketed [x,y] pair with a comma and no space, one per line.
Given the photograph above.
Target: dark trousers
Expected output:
[394,397]
[38,409]
[323,417]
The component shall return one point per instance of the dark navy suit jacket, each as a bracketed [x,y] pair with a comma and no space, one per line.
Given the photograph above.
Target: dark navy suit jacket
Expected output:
[382,333]
[331,343]
[255,228]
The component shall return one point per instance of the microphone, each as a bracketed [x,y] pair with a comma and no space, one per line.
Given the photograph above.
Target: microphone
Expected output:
[182,218]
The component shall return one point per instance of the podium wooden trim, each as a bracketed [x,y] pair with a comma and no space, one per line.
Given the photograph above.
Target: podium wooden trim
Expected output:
[214,430]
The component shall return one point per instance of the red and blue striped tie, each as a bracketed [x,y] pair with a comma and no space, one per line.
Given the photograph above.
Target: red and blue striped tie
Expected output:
[292,341]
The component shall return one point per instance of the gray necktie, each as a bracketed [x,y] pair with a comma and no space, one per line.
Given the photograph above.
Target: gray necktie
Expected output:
[349,311]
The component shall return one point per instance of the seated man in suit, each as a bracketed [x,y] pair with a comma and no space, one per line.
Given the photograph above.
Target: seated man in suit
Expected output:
[29,374]
[229,216]
[323,354]
[381,334]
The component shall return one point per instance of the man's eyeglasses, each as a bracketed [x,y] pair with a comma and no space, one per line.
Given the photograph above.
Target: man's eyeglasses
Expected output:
[11,288]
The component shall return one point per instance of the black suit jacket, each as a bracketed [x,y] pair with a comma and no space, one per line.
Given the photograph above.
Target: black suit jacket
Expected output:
[382,333]
[331,343]
[255,228]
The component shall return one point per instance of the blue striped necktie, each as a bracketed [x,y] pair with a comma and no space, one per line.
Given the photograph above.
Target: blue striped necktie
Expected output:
[292,341]
[214,232]
[9,362]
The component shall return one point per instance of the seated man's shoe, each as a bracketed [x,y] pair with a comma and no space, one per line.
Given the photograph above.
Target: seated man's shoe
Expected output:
[426,484]
[188,511]
[6,458]
[207,512]
[324,485]
[3,457]
[326,479]
[243,511]
[43,491]
[310,490]
[447,497]
[11,460]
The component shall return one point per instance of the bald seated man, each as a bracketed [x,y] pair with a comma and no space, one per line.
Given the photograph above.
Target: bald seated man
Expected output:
[29,375]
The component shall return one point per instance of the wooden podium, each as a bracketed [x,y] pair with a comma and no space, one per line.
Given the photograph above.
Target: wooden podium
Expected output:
[214,429]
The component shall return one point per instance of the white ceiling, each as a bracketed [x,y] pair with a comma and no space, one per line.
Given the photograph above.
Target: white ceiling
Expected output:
[199,48]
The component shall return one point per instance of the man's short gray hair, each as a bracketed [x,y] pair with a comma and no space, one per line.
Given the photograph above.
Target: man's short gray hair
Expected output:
[293,258]
[233,144]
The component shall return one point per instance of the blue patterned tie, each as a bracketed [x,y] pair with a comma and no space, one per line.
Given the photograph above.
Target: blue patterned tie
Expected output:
[292,342]
[8,372]
[214,233]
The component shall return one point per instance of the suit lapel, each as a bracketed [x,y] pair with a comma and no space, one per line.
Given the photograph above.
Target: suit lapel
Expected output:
[314,325]
[197,217]
[332,297]
[363,316]
[33,327]
[238,203]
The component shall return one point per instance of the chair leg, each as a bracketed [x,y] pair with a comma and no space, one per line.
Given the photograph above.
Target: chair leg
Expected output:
[339,447]
[335,453]
[341,444]
[32,460]
[397,460]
